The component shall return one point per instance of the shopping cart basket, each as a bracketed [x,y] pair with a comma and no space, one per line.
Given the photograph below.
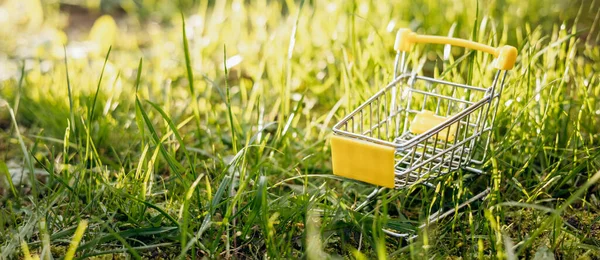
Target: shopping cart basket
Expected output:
[418,128]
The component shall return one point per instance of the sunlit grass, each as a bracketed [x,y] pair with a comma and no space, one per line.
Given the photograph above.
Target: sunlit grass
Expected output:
[209,138]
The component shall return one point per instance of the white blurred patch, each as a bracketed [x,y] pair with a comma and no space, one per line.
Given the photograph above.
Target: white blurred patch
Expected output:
[448,47]
[321,75]
[236,7]
[261,21]
[20,175]
[7,69]
[391,25]
[192,23]
[331,7]
[234,61]
[296,97]
[77,51]
[363,9]
[314,241]
[3,16]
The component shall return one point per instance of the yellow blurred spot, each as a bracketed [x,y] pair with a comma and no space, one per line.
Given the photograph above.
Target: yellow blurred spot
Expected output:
[76,239]
[203,105]
[103,33]
[25,250]
[53,42]
[61,37]
[358,255]
[24,14]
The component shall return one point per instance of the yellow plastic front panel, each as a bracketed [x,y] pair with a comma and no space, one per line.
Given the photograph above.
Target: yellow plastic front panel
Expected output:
[363,161]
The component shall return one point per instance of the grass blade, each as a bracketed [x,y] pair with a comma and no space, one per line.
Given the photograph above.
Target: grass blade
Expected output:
[4,171]
[69,91]
[190,73]
[93,105]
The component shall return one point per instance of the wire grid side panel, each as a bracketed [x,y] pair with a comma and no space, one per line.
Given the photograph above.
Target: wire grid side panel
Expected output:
[480,146]
[379,116]
[438,154]
[434,156]
[442,99]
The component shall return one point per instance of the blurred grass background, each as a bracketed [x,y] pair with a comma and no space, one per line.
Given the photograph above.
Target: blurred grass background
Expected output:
[220,151]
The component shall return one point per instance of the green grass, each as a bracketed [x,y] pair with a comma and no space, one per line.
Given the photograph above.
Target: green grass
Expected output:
[205,134]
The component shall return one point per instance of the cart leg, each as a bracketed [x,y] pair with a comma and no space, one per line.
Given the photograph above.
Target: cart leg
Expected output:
[372,195]
[434,218]
[473,170]
[394,234]
[437,216]
[378,190]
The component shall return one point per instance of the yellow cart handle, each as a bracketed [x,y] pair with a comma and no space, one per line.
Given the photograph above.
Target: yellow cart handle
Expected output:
[505,55]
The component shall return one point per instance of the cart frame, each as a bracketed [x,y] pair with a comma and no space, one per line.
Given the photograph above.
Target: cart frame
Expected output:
[376,144]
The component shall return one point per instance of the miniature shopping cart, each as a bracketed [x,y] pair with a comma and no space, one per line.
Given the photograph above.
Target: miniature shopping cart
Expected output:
[418,128]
